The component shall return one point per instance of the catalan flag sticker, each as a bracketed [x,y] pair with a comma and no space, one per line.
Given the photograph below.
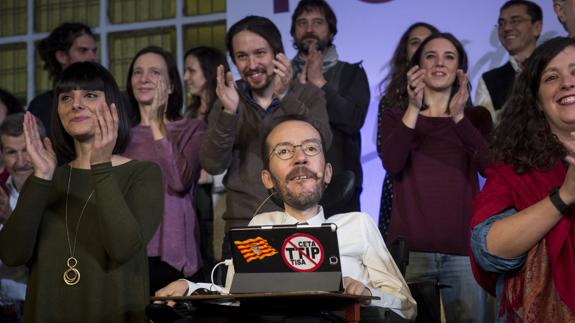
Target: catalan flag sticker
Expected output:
[255,249]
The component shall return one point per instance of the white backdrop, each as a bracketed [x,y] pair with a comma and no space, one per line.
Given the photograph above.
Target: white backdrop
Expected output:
[368,31]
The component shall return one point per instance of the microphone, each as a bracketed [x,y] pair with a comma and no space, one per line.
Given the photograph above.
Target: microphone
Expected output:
[264,202]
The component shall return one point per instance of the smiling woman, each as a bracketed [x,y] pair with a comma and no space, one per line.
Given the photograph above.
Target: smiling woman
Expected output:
[433,148]
[83,227]
[522,226]
[161,135]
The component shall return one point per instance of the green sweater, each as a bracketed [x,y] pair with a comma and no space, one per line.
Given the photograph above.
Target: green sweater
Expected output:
[118,222]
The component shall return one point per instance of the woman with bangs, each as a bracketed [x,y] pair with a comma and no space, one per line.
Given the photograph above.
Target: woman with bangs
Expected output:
[83,227]
[160,134]
[433,148]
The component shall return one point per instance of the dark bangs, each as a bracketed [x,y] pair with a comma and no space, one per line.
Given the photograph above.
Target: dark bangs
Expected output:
[87,76]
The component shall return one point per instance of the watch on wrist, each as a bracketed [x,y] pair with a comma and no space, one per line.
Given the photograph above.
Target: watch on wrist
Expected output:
[558,202]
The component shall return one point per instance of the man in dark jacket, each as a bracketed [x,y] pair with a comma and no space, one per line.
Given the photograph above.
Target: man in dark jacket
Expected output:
[266,90]
[314,25]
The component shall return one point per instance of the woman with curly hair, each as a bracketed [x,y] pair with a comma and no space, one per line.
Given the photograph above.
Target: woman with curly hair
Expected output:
[395,94]
[523,231]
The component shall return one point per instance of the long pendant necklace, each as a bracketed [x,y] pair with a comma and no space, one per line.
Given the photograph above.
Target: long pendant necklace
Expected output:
[72,274]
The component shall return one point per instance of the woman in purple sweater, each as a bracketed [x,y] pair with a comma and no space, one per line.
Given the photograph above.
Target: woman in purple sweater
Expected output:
[433,149]
[161,135]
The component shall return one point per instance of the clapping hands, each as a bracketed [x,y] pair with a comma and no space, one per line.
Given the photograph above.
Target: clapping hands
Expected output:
[567,190]
[283,75]
[105,133]
[459,99]
[39,150]
[313,68]
[416,86]
[226,91]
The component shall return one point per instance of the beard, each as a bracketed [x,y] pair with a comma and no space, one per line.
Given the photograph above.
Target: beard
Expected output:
[304,198]
[303,44]
[260,86]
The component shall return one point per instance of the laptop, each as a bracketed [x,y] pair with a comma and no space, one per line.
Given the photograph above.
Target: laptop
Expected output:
[286,258]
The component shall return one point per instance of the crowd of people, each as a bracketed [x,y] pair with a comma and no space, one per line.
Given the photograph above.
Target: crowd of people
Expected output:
[105,196]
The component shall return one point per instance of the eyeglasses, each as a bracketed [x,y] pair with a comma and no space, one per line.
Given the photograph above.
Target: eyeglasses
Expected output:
[285,151]
[513,22]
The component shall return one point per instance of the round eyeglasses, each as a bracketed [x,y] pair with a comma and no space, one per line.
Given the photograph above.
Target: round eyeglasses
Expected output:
[285,151]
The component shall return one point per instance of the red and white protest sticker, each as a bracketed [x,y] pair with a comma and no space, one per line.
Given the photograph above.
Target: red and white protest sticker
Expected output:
[302,252]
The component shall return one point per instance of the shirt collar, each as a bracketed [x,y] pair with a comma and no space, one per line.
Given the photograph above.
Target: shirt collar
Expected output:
[248,95]
[317,219]
[10,185]
[514,64]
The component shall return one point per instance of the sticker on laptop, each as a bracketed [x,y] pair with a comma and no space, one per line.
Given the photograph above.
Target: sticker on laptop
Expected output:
[302,252]
[255,249]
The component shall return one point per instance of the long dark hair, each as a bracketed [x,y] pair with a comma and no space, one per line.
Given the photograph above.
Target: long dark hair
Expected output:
[176,98]
[395,94]
[88,76]
[523,137]
[209,58]
[462,64]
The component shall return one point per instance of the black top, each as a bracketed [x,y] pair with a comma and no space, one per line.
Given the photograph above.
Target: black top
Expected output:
[41,107]
[499,82]
[347,94]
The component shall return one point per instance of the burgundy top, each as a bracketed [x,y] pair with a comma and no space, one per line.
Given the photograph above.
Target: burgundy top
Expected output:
[434,169]
[176,240]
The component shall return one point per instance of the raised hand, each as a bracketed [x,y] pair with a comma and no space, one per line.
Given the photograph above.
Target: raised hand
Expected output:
[160,102]
[415,86]
[567,190]
[314,66]
[302,77]
[457,104]
[40,151]
[105,133]
[283,75]
[226,91]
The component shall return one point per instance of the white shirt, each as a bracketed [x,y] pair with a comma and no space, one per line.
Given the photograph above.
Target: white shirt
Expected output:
[364,257]
[12,192]
[483,98]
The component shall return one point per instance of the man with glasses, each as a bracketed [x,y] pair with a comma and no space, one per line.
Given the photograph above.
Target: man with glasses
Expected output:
[519,26]
[294,165]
